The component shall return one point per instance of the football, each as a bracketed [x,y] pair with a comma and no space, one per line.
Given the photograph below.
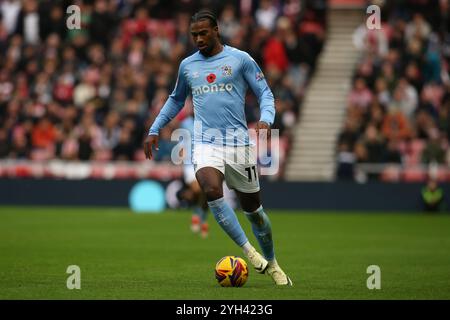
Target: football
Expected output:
[231,271]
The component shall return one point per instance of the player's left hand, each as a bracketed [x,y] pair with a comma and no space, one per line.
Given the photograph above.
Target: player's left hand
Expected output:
[150,141]
[261,125]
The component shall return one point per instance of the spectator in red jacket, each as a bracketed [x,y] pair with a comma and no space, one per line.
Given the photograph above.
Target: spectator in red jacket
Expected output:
[43,135]
[396,125]
[275,56]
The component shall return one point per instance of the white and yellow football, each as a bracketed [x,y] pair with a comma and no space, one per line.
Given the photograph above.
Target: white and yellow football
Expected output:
[231,271]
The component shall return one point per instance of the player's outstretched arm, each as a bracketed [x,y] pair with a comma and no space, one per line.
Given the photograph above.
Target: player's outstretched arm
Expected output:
[171,108]
[255,78]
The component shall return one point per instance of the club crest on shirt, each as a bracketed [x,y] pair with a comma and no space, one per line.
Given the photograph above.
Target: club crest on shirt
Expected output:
[226,71]
[259,76]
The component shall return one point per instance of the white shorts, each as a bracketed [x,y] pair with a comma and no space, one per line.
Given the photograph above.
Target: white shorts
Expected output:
[189,173]
[238,164]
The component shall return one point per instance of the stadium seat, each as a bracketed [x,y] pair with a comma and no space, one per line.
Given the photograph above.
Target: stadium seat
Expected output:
[414,174]
[391,174]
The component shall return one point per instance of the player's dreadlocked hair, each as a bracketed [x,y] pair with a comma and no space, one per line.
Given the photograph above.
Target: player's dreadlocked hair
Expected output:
[205,15]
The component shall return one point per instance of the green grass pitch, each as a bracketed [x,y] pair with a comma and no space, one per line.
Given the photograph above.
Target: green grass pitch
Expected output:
[136,256]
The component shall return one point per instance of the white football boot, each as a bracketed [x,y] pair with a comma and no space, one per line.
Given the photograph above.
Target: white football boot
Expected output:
[257,260]
[277,274]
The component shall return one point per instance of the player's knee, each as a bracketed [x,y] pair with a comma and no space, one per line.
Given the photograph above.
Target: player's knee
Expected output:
[250,207]
[213,193]
[250,202]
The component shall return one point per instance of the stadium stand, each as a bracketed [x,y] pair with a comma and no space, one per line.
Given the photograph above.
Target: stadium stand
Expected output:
[90,94]
[312,152]
[397,125]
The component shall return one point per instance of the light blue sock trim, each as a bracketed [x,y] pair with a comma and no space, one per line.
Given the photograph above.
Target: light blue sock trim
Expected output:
[227,219]
[262,229]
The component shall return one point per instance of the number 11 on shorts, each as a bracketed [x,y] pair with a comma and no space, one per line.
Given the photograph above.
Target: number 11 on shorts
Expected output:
[249,172]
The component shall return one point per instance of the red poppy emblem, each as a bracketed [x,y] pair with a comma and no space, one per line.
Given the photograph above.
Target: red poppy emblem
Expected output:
[211,78]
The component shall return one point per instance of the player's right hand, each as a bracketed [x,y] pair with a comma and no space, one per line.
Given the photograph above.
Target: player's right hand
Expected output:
[149,142]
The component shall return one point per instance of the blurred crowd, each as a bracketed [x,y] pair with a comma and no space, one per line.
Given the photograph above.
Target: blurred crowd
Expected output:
[399,107]
[92,93]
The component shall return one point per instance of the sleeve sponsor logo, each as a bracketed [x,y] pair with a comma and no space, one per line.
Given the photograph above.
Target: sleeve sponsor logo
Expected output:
[259,76]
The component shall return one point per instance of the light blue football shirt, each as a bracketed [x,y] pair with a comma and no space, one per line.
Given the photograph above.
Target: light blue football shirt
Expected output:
[218,86]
